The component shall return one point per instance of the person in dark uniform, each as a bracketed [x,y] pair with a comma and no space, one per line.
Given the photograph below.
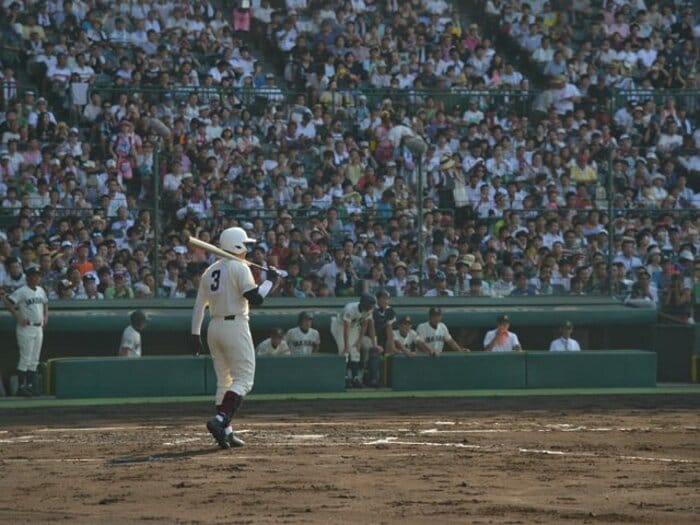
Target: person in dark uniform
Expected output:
[384,318]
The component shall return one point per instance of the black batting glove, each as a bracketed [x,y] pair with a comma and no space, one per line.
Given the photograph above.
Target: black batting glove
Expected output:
[272,274]
[196,344]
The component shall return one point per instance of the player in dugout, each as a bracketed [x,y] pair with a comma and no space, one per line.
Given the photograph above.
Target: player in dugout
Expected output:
[501,339]
[273,345]
[433,334]
[303,339]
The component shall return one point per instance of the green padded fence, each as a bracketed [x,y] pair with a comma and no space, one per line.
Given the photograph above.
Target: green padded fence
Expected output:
[124,377]
[192,376]
[188,376]
[601,368]
[615,368]
[459,371]
[291,374]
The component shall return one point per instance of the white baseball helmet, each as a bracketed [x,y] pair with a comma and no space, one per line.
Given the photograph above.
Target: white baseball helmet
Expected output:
[234,240]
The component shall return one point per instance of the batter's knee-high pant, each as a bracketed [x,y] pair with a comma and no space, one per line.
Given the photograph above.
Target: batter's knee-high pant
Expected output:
[29,339]
[233,354]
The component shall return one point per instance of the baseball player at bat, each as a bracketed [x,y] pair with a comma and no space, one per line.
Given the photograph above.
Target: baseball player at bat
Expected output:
[353,331]
[302,339]
[228,288]
[28,304]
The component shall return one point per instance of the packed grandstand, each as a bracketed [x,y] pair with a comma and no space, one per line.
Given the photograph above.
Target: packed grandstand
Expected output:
[560,146]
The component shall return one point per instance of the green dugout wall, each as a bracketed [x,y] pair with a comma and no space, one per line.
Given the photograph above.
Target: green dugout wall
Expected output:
[99,377]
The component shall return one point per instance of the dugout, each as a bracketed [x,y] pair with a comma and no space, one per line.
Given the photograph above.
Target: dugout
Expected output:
[77,329]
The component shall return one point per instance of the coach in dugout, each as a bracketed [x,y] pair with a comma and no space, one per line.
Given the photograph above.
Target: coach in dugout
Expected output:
[433,334]
[565,343]
[384,318]
[501,339]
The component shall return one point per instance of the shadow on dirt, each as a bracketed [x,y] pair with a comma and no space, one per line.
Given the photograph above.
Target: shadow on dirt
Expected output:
[166,456]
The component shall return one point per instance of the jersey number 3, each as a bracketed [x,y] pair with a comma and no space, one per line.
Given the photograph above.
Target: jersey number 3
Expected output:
[215,275]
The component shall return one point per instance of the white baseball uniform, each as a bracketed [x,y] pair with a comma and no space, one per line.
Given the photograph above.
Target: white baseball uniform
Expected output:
[511,342]
[266,348]
[434,337]
[409,340]
[131,340]
[300,342]
[351,313]
[30,305]
[231,345]
[564,345]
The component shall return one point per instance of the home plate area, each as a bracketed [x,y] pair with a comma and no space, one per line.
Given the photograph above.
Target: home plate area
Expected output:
[520,467]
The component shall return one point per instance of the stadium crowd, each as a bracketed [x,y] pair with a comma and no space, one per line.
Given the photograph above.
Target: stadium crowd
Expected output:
[296,120]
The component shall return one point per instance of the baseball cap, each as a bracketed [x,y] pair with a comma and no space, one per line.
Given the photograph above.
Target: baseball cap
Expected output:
[111,163]
[567,324]
[503,319]
[66,244]
[382,293]
[687,255]
[406,319]
[305,315]
[32,270]
[435,310]
[276,332]
[180,249]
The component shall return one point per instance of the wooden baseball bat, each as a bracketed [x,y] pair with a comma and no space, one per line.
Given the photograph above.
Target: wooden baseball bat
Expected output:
[208,247]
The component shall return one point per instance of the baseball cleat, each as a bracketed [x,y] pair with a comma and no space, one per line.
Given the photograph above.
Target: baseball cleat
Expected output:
[234,441]
[24,391]
[217,429]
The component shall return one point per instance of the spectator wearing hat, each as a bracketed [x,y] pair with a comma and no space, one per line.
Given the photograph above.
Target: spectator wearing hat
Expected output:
[565,343]
[273,345]
[120,289]
[405,337]
[89,290]
[412,286]
[440,286]
[501,339]
[398,282]
[130,345]
[433,335]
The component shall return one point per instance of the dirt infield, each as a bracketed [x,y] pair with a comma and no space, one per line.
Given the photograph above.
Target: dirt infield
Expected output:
[448,461]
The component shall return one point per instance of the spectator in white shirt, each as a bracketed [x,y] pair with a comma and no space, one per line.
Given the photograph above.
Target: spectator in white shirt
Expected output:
[565,343]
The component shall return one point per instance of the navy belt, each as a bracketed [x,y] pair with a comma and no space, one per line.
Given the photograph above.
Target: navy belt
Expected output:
[35,324]
[229,318]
